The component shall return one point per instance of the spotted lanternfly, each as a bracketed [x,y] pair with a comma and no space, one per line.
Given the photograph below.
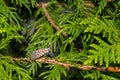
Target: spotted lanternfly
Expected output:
[39,53]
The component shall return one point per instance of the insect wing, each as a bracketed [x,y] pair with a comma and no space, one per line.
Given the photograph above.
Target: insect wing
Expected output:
[39,53]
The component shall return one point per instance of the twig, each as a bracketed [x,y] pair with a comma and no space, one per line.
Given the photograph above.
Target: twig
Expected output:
[24,59]
[78,66]
[56,27]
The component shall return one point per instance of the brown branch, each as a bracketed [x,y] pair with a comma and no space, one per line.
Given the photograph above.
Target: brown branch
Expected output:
[78,66]
[56,27]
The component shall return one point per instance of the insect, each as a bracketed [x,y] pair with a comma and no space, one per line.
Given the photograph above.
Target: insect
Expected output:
[39,53]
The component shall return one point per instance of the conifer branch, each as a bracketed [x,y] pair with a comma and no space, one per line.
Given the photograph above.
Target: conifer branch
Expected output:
[68,65]
[56,27]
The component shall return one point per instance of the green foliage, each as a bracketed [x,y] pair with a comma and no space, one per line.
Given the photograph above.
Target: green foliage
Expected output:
[25,3]
[10,71]
[106,49]
[9,13]
[8,32]
[102,5]
[9,27]
[95,75]
[93,38]
[55,73]
[33,67]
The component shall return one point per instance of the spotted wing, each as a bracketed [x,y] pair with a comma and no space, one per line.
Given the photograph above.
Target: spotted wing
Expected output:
[39,53]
